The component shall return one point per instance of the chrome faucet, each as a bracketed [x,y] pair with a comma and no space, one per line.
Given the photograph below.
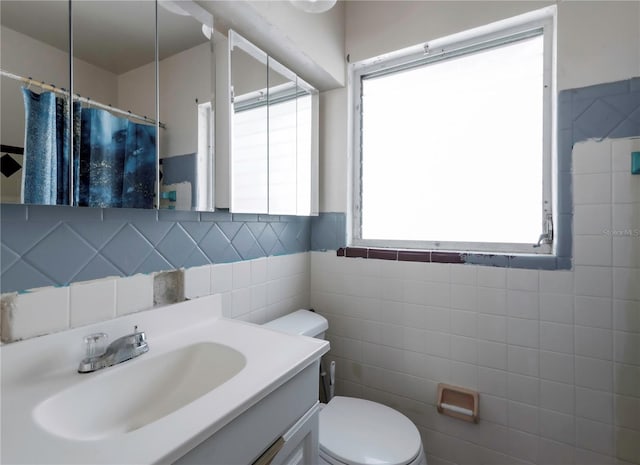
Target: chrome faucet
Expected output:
[120,350]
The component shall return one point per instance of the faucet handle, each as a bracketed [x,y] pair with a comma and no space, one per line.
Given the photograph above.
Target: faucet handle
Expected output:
[95,344]
[139,336]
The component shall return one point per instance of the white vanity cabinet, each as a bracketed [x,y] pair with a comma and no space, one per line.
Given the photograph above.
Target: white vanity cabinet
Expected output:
[281,429]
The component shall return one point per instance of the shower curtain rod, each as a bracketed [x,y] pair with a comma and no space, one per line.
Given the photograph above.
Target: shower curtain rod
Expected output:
[79,98]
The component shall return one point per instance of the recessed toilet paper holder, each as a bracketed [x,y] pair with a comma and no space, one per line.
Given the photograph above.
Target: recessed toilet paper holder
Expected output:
[458,402]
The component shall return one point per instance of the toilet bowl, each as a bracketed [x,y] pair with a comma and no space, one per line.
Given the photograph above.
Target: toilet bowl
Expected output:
[356,431]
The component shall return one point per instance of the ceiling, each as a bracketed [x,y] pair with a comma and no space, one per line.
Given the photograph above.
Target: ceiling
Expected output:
[117,36]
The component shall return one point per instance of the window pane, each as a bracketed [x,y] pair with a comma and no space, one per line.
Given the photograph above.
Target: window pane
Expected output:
[453,151]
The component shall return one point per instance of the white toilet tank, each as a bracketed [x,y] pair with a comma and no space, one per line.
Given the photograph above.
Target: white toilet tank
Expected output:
[301,322]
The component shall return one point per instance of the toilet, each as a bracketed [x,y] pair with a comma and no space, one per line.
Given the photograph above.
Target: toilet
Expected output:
[356,431]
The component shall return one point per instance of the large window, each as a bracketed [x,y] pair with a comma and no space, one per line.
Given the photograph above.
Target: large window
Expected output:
[453,141]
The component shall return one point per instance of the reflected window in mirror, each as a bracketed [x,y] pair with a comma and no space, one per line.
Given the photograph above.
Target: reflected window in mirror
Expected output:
[249,126]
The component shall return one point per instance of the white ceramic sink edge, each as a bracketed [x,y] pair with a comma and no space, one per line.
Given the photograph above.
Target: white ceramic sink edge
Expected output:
[37,370]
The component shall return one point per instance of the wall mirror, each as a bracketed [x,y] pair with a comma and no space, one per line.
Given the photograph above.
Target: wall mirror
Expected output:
[249,124]
[114,128]
[274,135]
[34,62]
[114,83]
[186,91]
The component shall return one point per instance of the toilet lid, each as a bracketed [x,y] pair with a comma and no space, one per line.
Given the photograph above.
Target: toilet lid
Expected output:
[361,432]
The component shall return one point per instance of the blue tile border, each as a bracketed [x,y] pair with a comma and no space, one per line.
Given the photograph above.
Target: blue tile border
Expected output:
[57,245]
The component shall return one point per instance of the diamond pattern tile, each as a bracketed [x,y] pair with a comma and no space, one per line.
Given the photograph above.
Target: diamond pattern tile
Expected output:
[599,119]
[197,258]
[7,257]
[217,246]
[176,246]
[21,272]
[197,230]
[97,268]
[246,244]
[96,233]
[20,236]
[154,262]
[268,239]
[127,250]
[60,255]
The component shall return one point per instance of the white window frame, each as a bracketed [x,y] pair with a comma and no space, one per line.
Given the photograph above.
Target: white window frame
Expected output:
[480,38]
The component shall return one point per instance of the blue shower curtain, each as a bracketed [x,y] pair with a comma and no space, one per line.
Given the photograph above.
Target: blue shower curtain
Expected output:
[117,166]
[114,163]
[40,165]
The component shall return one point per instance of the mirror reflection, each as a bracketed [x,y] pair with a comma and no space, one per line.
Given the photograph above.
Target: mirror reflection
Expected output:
[113,159]
[274,135]
[282,139]
[114,130]
[34,61]
[307,148]
[186,80]
[249,127]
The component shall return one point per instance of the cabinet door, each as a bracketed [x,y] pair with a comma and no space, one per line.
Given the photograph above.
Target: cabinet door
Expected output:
[282,140]
[249,127]
[301,446]
[307,149]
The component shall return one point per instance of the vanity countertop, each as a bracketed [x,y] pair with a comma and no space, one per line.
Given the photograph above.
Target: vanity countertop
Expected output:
[35,370]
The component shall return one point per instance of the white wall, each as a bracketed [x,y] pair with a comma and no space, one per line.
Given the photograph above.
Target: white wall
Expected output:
[555,355]
[597,41]
[254,290]
[26,57]
[184,77]
[310,44]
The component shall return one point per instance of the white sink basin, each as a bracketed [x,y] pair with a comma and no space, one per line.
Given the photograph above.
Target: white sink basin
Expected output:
[126,397]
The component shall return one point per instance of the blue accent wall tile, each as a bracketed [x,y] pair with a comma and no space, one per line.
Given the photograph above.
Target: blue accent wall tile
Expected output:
[127,250]
[197,230]
[328,231]
[98,234]
[487,260]
[97,268]
[229,229]
[128,214]
[244,217]
[197,258]
[565,193]
[176,246]
[246,244]
[13,212]
[7,257]
[178,215]
[153,231]
[60,255]
[52,213]
[598,90]
[564,235]
[24,276]
[152,263]
[533,262]
[22,236]
[267,239]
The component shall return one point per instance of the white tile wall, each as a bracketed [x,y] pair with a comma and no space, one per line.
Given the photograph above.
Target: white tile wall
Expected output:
[555,355]
[256,290]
